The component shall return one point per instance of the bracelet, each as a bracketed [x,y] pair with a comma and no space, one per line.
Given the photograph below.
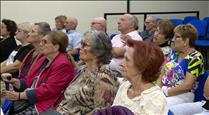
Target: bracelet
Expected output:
[19,96]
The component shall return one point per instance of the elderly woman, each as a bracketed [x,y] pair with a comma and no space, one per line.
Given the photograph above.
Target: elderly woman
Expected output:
[35,35]
[163,35]
[141,68]
[8,44]
[12,64]
[95,86]
[182,67]
[39,30]
[49,77]
[59,22]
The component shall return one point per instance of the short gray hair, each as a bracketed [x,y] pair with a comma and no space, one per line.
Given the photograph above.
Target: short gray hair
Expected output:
[135,22]
[101,46]
[44,28]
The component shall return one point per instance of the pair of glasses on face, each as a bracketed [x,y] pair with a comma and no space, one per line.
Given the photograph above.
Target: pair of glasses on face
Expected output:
[19,30]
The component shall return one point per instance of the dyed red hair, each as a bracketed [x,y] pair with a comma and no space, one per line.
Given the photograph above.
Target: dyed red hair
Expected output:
[148,59]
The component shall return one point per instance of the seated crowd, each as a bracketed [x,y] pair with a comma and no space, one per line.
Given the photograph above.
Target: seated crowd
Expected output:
[60,71]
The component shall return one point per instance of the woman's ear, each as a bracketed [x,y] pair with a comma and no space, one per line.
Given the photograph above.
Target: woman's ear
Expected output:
[186,42]
[57,47]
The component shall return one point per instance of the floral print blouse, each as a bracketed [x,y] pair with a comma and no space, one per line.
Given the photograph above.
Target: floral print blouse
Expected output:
[174,72]
[90,91]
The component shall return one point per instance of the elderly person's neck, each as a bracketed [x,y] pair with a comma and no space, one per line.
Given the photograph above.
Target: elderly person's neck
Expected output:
[24,42]
[36,47]
[138,85]
[127,31]
[52,56]
[92,65]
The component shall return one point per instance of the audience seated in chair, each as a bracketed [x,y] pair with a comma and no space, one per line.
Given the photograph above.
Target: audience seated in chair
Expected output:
[14,61]
[59,23]
[74,37]
[150,27]
[35,35]
[95,85]
[49,77]
[127,25]
[8,44]
[163,35]
[139,94]
[182,67]
[99,24]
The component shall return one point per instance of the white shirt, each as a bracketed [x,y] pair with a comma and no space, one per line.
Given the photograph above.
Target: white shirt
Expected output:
[151,101]
[117,42]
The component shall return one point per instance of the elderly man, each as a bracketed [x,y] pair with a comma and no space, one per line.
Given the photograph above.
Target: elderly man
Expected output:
[99,24]
[127,25]
[150,27]
[74,37]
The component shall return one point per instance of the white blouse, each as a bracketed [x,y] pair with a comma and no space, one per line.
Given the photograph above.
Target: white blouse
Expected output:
[151,101]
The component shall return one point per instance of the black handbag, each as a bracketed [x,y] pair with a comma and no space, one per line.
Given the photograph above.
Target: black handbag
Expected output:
[18,106]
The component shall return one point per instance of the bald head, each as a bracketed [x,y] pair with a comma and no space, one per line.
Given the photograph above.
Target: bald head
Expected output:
[99,24]
[71,23]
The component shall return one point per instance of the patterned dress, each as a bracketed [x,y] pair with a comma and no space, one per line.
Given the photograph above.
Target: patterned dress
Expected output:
[174,71]
[91,90]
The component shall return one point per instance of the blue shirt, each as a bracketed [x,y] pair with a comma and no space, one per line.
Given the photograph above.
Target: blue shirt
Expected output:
[74,39]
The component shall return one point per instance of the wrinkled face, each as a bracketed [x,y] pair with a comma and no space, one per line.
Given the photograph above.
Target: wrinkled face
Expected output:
[58,24]
[178,43]
[21,35]
[124,23]
[96,25]
[128,67]
[149,24]
[85,50]
[68,24]
[159,37]
[34,36]
[47,48]
[3,30]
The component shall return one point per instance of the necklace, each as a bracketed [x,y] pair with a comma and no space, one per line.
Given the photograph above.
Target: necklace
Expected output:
[182,55]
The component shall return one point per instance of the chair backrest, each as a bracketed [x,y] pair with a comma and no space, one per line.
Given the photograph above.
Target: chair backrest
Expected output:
[187,19]
[170,112]
[207,20]
[201,27]
[176,22]
[199,92]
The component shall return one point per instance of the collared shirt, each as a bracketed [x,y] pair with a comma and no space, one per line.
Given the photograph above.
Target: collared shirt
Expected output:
[74,39]
[116,42]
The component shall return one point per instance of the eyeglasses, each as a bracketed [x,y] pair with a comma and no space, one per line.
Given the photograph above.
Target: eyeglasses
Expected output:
[44,42]
[19,30]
